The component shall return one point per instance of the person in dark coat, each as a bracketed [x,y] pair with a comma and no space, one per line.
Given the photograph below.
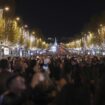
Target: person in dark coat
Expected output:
[4,74]
[75,93]
[100,92]
[16,93]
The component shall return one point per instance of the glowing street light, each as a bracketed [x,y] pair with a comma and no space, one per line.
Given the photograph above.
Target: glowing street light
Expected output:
[18,18]
[101,25]
[26,26]
[7,9]
[33,33]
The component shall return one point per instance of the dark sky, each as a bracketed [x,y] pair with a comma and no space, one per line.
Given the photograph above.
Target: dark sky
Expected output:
[63,18]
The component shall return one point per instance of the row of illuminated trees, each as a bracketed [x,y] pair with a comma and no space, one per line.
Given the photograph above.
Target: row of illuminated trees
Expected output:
[14,34]
[92,37]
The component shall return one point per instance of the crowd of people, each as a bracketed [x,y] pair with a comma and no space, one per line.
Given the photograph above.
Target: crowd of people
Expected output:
[52,80]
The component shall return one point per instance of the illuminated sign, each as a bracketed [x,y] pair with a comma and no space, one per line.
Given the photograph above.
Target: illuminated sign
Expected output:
[6,51]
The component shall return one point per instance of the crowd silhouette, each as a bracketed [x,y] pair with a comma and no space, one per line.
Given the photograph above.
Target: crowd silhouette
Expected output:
[52,80]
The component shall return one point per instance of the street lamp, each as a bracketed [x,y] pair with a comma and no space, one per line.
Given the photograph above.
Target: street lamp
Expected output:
[33,33]
[6,18]
[18,18]
[101,25]
[26,26]
[7,8]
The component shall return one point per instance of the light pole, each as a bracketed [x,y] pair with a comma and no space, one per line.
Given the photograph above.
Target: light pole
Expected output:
[6,10]
[18,51]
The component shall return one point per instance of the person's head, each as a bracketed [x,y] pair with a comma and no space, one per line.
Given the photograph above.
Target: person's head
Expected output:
[16,84]
[4,64]
[61,82]
[32,63]
[37,79]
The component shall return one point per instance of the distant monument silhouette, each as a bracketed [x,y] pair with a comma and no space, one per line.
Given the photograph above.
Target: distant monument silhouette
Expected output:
[55,42]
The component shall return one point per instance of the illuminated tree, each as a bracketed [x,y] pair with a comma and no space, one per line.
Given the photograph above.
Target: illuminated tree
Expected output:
[2,29]
[21,40]
[35,43]
[28,44]
[39,43]
[13,33]
[38,33]
[101,33]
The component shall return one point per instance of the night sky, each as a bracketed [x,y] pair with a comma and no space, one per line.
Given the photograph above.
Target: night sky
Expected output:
[60,18]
